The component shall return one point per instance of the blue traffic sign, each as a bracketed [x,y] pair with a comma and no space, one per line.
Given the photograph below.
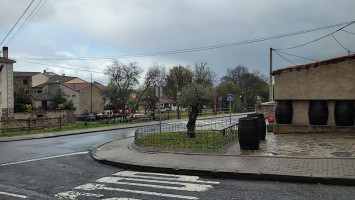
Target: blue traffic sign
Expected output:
[230,97]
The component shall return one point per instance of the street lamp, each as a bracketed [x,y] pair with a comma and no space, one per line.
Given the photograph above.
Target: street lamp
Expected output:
[178,106]
[241,100]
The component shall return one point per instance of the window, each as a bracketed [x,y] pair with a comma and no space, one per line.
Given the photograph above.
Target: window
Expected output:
[73,95]
[25,81]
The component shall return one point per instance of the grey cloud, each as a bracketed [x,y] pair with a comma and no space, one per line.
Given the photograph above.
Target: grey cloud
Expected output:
[126,27]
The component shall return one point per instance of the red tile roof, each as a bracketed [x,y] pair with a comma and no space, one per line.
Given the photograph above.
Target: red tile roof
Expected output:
[81,86]
[315,64]
[100,86]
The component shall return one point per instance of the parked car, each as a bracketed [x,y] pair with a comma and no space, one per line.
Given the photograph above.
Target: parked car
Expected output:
[99,116]
[107,113]
[162,109]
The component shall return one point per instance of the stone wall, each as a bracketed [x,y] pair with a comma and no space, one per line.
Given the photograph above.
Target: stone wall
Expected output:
[7,113]
[36,120]
[334,81]
[267,108]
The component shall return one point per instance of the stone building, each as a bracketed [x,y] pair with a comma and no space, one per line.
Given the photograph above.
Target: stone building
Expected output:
[85,96]
[6,86]
[316,97]
[28,80]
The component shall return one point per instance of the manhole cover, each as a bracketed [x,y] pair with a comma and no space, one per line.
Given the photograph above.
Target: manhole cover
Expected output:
[342,154]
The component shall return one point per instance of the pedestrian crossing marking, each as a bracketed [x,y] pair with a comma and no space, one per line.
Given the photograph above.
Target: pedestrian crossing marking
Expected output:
[73,195]
[184,186]
[144,180]
[161,176]
[91,186]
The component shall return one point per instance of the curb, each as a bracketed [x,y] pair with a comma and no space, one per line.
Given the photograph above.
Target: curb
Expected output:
[84,131]
[234,175]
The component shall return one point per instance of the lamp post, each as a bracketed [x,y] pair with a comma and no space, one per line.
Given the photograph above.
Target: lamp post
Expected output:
[178,106]
[241,100]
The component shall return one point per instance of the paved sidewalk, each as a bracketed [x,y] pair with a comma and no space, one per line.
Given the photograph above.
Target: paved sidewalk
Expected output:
[125,154]
[107,128]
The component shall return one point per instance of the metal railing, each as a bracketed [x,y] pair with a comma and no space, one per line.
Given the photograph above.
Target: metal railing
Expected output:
[175,135]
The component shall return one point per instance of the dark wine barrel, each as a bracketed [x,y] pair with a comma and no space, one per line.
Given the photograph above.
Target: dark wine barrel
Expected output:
[344,112]
[318,112]
[261,123]
[284,112]
[248,133]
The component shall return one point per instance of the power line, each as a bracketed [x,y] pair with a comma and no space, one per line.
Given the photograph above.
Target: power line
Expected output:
[285,58]
[59,66]
[341,44]
[318,38]
[28,19]
[297,56]
[348,32]
[196,48]
[16,22]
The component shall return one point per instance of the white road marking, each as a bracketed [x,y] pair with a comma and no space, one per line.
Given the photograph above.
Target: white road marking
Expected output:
[44,158]
[120,199]
[185,186]
[160,176]
[14,195]
[90,187]
[73,195]
[142,179]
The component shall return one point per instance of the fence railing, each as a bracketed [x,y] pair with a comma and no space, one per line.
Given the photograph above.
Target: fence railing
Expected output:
[30,124]
[175,135]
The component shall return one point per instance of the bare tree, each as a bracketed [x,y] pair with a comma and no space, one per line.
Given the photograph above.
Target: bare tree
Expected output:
[123,78]
[156,75]
[178,78]
[251,84]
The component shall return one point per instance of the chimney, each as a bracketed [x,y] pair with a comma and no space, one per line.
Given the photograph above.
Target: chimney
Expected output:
[5,51]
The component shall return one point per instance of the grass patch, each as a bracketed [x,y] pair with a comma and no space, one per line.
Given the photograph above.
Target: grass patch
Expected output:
[64,128]
[205,139]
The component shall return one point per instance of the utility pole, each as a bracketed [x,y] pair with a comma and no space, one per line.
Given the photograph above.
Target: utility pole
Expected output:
[270,78]
[91,94]
[349,52]
[159,96]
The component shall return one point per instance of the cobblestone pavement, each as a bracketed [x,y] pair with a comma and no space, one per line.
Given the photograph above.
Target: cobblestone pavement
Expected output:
[339,145]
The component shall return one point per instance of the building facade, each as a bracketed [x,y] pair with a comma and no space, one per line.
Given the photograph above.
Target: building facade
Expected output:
[6,86]
[316,94]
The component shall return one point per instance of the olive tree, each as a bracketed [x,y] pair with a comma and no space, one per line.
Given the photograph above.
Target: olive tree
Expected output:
[200,92]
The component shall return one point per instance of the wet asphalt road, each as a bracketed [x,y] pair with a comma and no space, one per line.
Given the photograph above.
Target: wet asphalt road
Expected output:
[59,177]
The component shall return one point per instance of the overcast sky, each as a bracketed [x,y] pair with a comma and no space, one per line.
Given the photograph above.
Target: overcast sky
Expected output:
[110,28]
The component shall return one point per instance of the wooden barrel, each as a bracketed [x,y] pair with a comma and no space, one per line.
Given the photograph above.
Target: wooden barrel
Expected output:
[284,112]
[261,123]
[318,112]
[248,133]
[344,113]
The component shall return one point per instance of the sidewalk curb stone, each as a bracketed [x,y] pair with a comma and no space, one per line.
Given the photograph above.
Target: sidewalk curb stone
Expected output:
[219,173]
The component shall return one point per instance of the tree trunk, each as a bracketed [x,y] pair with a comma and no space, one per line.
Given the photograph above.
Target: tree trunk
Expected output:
[192,122]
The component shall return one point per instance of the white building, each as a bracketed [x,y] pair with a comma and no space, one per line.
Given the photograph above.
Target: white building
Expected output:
[6,86]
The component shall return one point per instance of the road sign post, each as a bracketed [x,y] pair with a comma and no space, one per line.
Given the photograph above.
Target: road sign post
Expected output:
[230,98]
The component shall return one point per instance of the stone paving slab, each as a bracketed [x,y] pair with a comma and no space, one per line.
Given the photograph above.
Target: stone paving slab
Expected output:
[310,170]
